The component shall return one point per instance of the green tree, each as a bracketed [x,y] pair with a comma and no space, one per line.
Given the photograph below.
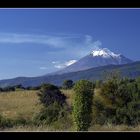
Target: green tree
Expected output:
[67,84]
[54,101]
[118,102]
[82,104]
[138,83]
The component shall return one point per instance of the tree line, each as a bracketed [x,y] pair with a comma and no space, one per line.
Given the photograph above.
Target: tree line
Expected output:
[67,84]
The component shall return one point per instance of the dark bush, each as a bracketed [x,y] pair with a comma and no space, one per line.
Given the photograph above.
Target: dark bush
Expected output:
[9,88]
[54,104]
[1,89]
[33,88]
[67,84]
[50,114]
[19,86]
[50,94]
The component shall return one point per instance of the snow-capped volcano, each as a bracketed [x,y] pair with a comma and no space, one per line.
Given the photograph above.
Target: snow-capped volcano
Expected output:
[96,58]
[104,53]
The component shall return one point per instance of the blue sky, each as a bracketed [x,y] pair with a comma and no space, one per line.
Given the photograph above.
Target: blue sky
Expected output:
[34,42]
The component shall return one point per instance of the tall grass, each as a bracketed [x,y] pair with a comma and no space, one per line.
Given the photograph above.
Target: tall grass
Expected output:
[69,94]
[19,104]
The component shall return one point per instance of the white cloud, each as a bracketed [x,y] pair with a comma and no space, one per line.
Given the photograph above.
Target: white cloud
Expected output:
[65,64]
[60,66]
[54,41]
[55,62]
[73,45]
[68,63]
[43,68]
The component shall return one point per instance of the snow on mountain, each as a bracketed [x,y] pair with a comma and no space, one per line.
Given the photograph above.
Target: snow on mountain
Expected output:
[104,53]
[96,58]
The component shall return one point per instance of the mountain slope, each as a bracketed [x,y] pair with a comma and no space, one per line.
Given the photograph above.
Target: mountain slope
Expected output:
[127,70]
[98,57]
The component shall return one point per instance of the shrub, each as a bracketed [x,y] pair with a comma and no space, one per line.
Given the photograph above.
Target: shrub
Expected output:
[53,101]
[50,114]
[9,88]
[18,86]
[33,88]
[82,104]
[67,84]
[118,102]
[5,122]
[50,94]
[138,83]
[1,89]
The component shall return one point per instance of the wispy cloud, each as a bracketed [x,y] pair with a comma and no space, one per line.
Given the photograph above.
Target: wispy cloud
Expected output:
[55,62]
[89,42]
[70,62]
[74,45]
[43,68]
[86,45]
[54,41]
[63,65]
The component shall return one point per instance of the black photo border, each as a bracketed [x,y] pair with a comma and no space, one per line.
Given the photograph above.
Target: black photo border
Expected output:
[69,4]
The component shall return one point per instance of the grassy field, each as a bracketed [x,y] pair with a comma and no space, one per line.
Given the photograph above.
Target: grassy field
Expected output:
[24,104]
[19,104]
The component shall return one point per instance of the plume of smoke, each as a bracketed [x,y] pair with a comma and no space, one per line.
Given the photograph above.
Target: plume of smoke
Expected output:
[94,45]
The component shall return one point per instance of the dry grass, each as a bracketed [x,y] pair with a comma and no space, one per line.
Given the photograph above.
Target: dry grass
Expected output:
[27,128]
[19,104]
[94,128]
[23,103]
[68,93]
[116,128]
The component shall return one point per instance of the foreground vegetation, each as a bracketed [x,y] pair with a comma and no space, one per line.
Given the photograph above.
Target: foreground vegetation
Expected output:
[112,105]
[23,104]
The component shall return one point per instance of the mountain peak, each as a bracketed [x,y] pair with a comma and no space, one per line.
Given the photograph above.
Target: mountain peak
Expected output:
[96,58]
[104,52]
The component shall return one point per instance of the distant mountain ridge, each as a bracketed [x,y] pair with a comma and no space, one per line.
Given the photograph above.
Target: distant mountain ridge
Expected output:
[131,70]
